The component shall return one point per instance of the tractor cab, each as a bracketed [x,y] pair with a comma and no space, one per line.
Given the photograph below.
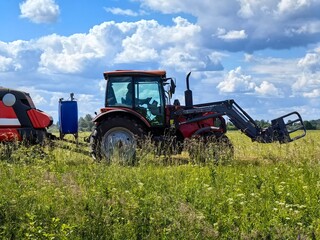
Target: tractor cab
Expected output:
[140,91]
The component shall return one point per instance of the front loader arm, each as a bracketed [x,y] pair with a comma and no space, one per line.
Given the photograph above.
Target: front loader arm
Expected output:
[279,130]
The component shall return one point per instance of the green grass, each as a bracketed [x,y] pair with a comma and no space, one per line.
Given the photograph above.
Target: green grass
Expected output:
[266,192]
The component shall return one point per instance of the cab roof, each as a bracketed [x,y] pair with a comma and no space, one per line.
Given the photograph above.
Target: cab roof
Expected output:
[160,73]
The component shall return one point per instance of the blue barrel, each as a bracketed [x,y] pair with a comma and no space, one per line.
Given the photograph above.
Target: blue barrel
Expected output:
[68,117]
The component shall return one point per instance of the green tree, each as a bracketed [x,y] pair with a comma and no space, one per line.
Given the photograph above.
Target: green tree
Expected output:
[85,123]
[309,125]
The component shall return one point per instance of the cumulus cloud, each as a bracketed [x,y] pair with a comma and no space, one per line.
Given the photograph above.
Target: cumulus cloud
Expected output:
[66,54]
[282,71]
[154,42]
[231,25]
[6,64]
[18,56]
[258,24]
[311,61]
[110,44]
[307,84]
[40,11]
[236,81]
[267,89]
[78,52]
[308,81]
[183,61]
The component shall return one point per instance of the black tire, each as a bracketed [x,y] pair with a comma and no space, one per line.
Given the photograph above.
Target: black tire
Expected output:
[115,139]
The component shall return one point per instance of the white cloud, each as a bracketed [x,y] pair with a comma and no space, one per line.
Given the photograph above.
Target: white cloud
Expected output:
[232,35]
[290,77]
[74,54]
[267,89]
[251,8]
[306,84]
[63,55]
[18,56]
[39,100]
[40,11]
[311,61]
[179,48]
[236,81]
[6,64]
[165,6]
[280,69]
[110,44]
[151,41]
[192,60]
[181,60]
[120,11]
[306,28]
[102,85]
[292,5]
[259,24]
[245,10]
[308,81]
[315,93]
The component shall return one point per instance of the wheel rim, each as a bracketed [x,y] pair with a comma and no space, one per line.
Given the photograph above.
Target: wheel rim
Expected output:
[119,142]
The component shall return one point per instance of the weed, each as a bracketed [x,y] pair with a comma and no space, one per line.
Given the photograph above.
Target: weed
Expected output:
[267,191]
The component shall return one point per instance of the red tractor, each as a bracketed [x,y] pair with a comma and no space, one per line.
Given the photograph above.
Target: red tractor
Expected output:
[19,118]
[138,103]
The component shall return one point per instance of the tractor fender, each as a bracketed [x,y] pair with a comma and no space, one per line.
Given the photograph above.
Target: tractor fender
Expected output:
[129,112]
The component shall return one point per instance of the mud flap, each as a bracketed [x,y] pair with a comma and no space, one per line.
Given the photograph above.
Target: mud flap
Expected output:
[288,128]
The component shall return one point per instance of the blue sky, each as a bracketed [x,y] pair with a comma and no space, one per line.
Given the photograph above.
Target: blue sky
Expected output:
[264,54]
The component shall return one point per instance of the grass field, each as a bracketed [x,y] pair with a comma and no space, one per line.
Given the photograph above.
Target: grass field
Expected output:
[268,191]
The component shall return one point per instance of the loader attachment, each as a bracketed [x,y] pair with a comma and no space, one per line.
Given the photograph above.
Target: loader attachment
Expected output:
[284,129]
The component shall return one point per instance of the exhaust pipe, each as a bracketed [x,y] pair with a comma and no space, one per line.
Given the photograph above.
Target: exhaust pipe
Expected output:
[188,94]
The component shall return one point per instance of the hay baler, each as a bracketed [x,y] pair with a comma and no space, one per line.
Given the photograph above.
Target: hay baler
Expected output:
[20,120]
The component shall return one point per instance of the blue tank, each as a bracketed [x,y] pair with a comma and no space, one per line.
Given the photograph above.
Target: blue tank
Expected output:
[68,117]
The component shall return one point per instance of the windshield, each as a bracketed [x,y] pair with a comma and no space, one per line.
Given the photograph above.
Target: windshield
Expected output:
[144,94]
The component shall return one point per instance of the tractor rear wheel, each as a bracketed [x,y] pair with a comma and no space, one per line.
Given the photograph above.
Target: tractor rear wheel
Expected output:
[115,139]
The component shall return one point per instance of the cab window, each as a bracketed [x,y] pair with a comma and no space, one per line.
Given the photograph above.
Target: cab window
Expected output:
[149,101]
[143,94]
[117,88]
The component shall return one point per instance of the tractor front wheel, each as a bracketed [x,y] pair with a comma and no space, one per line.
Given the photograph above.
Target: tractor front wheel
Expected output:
[115,139]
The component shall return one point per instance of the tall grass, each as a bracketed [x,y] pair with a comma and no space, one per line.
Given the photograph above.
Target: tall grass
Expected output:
[267,191]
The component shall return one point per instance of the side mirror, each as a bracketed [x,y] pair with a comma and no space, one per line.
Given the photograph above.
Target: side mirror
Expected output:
[172,87]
